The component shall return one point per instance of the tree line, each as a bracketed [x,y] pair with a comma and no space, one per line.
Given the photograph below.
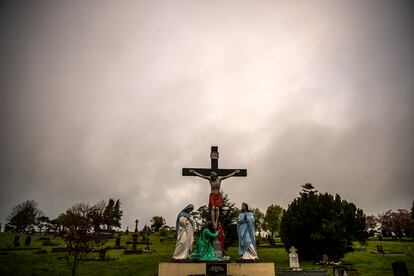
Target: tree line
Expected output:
[315,223]
[395,224]
[27,217]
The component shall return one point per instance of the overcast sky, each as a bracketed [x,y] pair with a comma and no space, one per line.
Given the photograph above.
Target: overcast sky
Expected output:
[111,99]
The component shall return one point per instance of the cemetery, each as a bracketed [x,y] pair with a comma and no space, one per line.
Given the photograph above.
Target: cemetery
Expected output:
[207,138]
[39,259]
[78,247]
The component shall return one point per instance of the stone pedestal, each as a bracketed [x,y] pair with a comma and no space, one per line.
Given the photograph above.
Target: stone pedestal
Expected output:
[303,272]
[234,269]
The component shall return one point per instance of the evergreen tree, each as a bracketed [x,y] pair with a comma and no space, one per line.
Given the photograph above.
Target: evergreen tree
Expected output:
[228,219]
[112,214]
[318,224]
[412,211]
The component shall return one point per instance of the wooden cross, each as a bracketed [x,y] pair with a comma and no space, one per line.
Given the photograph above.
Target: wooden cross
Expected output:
[214,156]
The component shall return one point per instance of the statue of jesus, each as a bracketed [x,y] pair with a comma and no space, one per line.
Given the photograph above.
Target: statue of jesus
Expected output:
[214,202]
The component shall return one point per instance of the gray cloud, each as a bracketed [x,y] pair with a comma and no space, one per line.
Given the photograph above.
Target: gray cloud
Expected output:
[107,100]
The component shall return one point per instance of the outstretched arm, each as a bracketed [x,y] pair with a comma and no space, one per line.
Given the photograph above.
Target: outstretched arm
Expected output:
[230,175]
[199,174]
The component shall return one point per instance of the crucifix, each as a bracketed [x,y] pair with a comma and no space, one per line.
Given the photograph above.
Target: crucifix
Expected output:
[214,175]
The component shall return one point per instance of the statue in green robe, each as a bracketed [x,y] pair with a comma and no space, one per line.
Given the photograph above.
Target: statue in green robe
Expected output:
[204,250]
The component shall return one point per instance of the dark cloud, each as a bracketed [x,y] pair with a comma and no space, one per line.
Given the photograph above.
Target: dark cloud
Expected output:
[107,100]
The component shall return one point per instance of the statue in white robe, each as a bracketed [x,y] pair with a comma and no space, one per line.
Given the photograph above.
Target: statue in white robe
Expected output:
[185,234]
[246,233]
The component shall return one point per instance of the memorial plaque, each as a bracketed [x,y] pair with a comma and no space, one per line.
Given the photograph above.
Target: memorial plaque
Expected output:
[216,269]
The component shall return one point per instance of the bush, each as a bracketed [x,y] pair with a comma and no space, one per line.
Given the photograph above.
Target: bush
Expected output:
[318,224]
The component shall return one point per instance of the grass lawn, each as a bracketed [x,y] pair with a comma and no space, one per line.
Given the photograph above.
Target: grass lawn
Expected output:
[26,262]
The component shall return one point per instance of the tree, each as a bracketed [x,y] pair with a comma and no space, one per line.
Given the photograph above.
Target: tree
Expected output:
[43,221]
[228,219]
[371,224]
[272,219]
[259,219]
[79,238]
[308,189]
[401,223]
[57,223]
[23,216]
[318,224]
[112,214]
[157,222]
[98,215]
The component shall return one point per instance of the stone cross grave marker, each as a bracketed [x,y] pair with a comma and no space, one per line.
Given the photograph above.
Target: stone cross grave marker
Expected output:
[136,225]
[293,258]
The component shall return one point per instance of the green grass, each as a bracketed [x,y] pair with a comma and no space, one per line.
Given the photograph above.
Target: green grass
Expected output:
[25,262]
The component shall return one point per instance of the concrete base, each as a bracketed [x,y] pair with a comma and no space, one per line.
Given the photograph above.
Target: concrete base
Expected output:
[304,272]
[199,269]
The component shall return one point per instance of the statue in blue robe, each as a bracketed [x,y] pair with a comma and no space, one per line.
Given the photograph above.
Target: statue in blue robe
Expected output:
[246,232]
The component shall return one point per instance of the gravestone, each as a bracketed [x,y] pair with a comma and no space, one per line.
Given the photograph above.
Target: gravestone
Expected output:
[136,226]
[344,270]
[102,254]
[399,269]
[293,258]
[118,241]
[27,241]
[380,249]
[325,259]
[134,241]
[134,249]
[16,241]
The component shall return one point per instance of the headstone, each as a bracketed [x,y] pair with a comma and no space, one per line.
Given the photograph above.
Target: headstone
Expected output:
[380,249]
[147,243]
[344,270]
[134,241]
[118,241]
[102,253]
[293,258]
[136,226]
[27,241]
[16,241]
[399,269]
[325,259]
